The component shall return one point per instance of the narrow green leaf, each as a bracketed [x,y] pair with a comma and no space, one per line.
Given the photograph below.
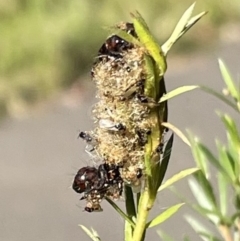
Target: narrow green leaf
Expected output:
[212,215]
[178,91]
[129,201]
[92,234]
[234,158]
[212,159]
[229,81]
[178,29]
[232,130]
[223,193]
[199,194]
[120,211]
[198,155]
[164,216]
[209,236]
[164,236]
[183,25]
[220,96]
[199,228]
[177,132]
[161,171]
[206,188]
[177,177]
[138,196]
[149,42]
[149,86]
[131,212]
[226,161]
[192,21]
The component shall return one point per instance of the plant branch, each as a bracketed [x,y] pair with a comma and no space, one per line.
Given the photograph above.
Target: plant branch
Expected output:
[225,232]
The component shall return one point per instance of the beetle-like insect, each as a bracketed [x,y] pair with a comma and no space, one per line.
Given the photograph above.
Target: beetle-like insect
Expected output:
[115,45]
[97,183]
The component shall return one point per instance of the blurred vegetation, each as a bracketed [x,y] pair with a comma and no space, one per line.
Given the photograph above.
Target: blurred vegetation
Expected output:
[46,45]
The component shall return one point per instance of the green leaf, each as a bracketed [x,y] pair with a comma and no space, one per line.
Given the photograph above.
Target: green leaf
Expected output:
[209,237]
[200,229]
[201,196]
[129,201]
[178,29]
[149,42]
[183,25]
[178,91]
[164,216]
[177,177]
[149,86]
[198,155]
[212,215]
[229,81]
[164,236]
[120,211]
[232,130]
[177,132]
[92,234]
[160,172]
[220,96]
[226,161]
[223,193]
[212,159]
[206,187]
[131,212]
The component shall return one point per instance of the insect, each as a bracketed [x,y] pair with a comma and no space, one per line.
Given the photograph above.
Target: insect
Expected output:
[139,173]
[110,125]
[143,136]
[159,148]
[97,183]
[85,136]
[114,45]
[85,180]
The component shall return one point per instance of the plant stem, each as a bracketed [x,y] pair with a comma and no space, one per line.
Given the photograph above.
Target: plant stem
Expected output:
[145,206]
[225,232]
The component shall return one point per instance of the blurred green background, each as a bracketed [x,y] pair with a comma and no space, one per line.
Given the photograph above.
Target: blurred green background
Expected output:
[47,45]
